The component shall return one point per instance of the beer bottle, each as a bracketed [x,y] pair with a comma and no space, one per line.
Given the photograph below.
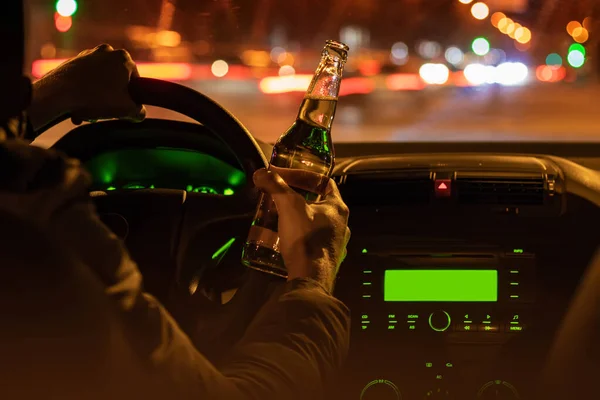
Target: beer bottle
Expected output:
[305,145]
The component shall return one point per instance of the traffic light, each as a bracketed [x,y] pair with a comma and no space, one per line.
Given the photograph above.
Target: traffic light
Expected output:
[66,8]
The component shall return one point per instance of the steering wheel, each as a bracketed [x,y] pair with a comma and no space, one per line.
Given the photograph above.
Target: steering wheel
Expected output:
[166,222]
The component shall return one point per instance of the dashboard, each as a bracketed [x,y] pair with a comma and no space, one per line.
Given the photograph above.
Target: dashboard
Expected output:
[460,269]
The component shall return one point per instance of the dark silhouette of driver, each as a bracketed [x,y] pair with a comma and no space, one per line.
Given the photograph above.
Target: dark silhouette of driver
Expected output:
[76,322]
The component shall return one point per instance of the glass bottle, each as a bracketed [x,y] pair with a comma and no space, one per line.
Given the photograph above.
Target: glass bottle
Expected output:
[306,145]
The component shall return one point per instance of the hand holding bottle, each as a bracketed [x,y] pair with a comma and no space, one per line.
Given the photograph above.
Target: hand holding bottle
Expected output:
[312,236]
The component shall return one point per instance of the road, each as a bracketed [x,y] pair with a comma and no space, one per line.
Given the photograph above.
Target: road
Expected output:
[549,112]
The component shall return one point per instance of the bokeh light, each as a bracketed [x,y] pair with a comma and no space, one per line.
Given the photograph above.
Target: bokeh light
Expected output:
[554,60]
[219,68]
[523,35]
[475,74]
[434,74]
[400,50]
[576,59]
[511,73]
[571,26]
[66,8]
[580,35]
[587,23]
[480,46]
[512,30]
[480,10]
[454,55]
[286,70]
[496,18]
[577,47]
[466,1]
[504,24]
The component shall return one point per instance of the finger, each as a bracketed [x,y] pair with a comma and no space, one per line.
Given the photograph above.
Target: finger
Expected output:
[285,198]
[103,47]
[138,114]
[332,190]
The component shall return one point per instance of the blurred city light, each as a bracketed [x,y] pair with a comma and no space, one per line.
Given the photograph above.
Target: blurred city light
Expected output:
[577,47]
[400,50]
[62,24]
[219,68]
[429,49]
[286,70]
[434,74]
[465,1]
[512,29]
[546,73]
[285,84]
[480,10]
[523,35]
[571,26]
[511,73]
[399,53]
[580,35]
[496,18]
[168,38]
[504,24]
[255,58]
[476,74]
[576,58]
[66,8]
[276,53]
[495,56]
[454,55]
[587,23]
[480,46]
[554,60]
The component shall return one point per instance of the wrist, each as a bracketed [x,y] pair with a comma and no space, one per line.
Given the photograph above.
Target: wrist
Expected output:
[321,270]
[49,101]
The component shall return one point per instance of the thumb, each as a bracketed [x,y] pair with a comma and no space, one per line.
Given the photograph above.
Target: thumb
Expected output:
[271,183]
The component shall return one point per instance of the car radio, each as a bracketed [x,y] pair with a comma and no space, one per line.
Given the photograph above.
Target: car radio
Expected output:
[435,293]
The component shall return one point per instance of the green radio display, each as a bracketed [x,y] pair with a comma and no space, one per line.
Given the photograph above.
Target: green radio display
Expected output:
[440,285]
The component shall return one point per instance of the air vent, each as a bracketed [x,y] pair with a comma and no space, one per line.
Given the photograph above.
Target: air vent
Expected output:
[386,189]
[498,190]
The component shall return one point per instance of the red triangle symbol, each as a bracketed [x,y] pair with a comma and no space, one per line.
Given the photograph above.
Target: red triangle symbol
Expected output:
[442,186]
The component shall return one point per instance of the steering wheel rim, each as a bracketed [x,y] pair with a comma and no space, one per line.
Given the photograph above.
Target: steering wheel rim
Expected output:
[209,114]
[200,108]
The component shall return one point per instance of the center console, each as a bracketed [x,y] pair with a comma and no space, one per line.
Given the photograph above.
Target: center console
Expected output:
[441,323]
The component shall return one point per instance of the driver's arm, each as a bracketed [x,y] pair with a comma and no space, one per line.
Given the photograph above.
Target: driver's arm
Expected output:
[295,343]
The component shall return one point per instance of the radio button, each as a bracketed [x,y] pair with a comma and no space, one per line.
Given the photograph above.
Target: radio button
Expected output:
[514,328]
[439,321]
[489,327]
[465,327]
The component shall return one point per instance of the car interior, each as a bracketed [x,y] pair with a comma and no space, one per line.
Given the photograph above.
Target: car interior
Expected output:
[463,261]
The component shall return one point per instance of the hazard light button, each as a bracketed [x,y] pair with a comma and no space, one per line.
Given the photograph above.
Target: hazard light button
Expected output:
[443,187]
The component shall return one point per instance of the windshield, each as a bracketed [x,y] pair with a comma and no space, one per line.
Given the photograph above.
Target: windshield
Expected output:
[418,70]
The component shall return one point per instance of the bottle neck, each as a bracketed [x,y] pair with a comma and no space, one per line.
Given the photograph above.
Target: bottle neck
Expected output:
[320,100]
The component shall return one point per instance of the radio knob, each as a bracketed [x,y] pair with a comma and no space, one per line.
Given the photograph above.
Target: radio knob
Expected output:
[439,320]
